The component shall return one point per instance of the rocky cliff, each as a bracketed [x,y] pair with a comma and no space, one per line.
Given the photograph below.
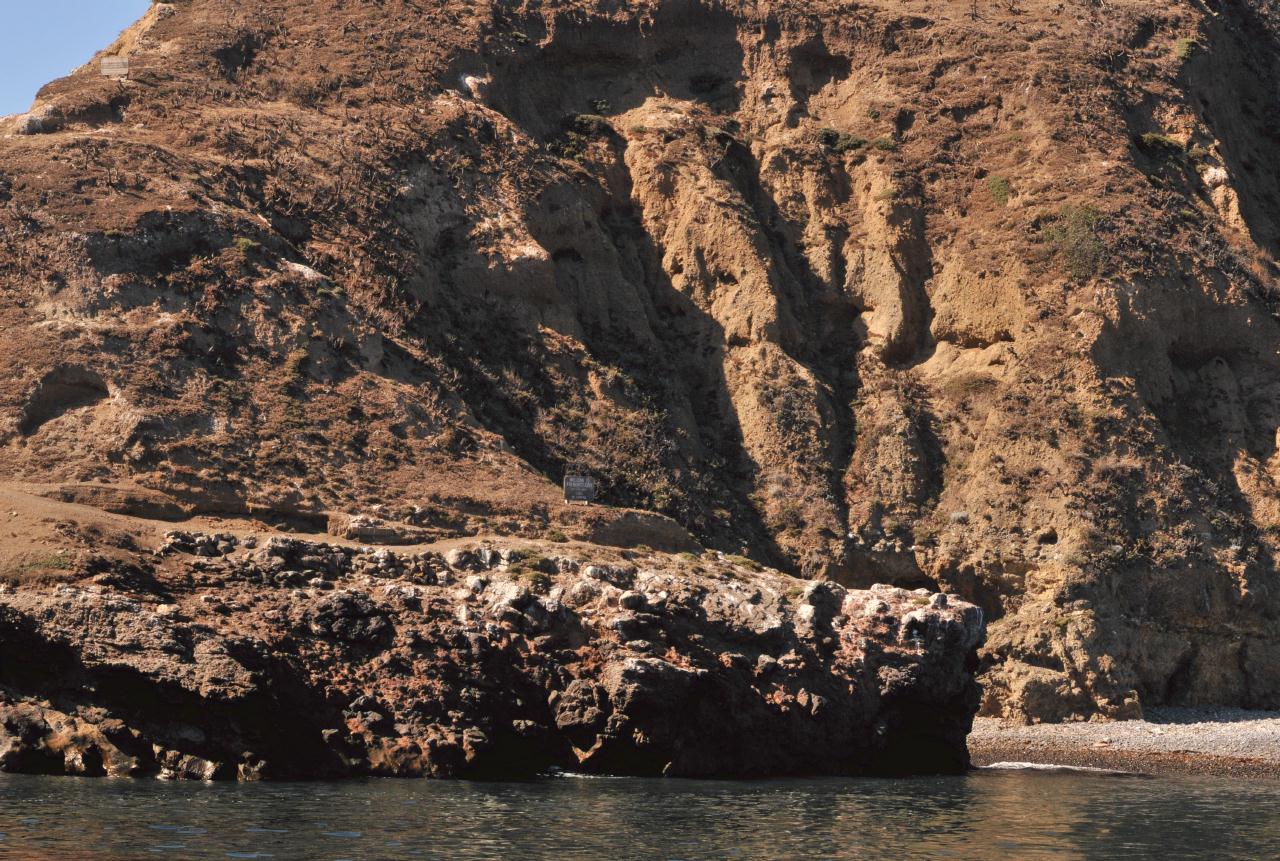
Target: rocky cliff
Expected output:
[965,296]
[228,657]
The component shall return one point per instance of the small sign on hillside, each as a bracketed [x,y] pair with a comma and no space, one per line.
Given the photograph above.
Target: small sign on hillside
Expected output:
[115,67]
[579,488]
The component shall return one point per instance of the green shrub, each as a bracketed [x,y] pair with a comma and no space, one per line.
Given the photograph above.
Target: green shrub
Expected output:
[245,245]
[1158,144]
[557,536]
[745,562]
[1184,48]
[840,142]
[1073,234]
[582,128]
[1000,189]
[44,562]
[539,581]
[923,533]
[885,144]
[590,124]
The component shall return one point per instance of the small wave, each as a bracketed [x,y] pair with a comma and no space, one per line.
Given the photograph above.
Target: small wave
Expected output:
[190,830]
[1049,766]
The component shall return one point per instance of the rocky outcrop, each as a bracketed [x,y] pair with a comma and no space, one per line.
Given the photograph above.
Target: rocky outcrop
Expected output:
[301,659]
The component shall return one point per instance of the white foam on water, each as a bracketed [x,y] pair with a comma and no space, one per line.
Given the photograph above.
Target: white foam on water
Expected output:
[1049,766]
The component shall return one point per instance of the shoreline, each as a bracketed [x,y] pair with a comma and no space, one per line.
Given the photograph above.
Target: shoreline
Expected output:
[1168,742]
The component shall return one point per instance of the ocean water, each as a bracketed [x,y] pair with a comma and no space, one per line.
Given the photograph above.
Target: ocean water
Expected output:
[1015,815]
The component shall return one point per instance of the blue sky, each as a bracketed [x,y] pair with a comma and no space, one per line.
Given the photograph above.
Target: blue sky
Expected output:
[45,39]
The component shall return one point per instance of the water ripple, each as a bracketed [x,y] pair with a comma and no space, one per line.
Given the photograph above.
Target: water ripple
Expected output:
[985,816]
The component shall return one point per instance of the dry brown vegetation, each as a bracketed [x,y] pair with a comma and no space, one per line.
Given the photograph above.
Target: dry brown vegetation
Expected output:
[808,278]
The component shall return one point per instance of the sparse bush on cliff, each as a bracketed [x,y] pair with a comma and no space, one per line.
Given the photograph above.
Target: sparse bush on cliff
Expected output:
[840,142]
[1073,234]
[1157,144]
[965,386]
[1112,467]
[744,562]
[41,568]
[788,517]
[539,581]
[1000,189]
[887,196]
[581,130]
[295,364]
[590,124]
[924,533]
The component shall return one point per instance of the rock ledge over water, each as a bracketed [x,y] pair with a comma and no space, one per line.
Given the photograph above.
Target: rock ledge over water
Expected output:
[225,659]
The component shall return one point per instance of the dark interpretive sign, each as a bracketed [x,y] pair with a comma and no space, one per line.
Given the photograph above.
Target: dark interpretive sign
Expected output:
[115,67]
[579,488]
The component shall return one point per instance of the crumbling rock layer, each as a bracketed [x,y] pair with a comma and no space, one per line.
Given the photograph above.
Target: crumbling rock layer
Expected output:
[302,659]
[973,297]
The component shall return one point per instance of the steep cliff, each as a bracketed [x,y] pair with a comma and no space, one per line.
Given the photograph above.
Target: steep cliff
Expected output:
[965,296]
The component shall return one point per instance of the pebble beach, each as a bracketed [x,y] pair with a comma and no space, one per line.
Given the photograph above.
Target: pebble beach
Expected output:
[1167,741]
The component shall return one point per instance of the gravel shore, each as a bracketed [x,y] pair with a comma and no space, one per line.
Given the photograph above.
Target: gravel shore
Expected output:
[1168,741]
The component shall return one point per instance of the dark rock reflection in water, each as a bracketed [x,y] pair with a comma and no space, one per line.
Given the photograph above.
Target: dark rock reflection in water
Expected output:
[986,815]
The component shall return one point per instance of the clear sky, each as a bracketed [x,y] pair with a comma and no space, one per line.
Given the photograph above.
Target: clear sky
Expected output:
[45,39]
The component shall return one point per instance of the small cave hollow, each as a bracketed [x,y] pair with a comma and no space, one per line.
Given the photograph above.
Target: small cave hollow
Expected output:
[61,391]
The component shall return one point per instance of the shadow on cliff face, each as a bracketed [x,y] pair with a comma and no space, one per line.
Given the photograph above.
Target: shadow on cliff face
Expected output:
[281,717]
[61,390]
[689,51]
[1229,84]
[611,273]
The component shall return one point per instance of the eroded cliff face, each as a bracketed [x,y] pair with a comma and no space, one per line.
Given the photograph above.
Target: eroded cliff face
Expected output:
[879,292]
[234,657]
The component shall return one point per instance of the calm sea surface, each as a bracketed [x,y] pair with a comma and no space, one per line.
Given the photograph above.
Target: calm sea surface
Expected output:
[986,815]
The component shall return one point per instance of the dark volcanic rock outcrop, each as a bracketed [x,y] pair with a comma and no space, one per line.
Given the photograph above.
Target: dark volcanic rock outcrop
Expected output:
[307,660]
